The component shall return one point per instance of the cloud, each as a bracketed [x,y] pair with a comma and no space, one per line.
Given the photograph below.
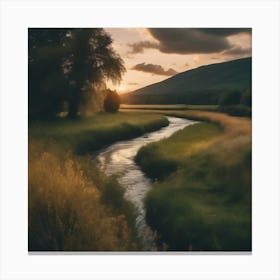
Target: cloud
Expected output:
[154,69]
[186,41]
[237,50]
[133,84]
[189,40]
[225,31]
[139,47]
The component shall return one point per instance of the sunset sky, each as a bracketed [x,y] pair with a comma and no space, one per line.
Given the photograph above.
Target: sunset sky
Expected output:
[155,54]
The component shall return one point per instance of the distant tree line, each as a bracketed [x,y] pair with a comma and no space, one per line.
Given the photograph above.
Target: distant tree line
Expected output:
[236,103]
[203,97]
[68,69]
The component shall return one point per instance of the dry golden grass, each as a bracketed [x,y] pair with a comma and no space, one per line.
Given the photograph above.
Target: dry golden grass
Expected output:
[235,125]
[236,139]
[227,149]
[65,209]
[237,131]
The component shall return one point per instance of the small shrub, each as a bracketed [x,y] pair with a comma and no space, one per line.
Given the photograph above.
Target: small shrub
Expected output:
[112,102]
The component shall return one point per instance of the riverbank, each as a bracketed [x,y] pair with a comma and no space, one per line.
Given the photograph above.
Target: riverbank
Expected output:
[202,198]
[72,206]
[118,159]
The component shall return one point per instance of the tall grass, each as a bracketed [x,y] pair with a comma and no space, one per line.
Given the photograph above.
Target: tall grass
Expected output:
[205,203]
[67,212]
[71,205]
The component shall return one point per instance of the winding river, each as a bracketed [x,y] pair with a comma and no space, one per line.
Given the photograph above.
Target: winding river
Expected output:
[118,159]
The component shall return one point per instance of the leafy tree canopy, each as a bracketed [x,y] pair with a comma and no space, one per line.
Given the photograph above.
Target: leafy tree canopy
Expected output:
[63,63]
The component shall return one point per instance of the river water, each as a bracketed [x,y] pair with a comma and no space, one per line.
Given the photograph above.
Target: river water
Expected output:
[118,159]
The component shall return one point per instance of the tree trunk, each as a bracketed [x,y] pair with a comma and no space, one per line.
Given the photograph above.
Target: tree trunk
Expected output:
[74,101]
[72,109]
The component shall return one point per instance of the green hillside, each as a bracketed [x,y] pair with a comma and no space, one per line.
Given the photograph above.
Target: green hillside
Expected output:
[202,85]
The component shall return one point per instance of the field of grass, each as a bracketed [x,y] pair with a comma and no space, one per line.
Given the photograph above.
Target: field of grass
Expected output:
[170,107]
[160,159]
[201,199]
[72,206]
[90,134]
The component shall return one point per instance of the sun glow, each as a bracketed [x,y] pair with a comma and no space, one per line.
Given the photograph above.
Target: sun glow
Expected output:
[121,89]
[133,79]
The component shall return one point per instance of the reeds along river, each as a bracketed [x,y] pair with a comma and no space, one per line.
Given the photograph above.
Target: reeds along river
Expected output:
[118,159]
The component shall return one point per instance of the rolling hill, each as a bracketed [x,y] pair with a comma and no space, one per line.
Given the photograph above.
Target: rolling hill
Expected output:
[202,85]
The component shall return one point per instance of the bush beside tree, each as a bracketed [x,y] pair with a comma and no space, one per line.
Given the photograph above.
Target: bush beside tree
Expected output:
[111,102]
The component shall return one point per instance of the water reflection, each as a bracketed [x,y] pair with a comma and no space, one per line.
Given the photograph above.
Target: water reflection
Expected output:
[118,159]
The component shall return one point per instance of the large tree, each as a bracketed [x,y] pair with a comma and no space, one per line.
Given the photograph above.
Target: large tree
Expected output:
[91,61]
[63,63]
[46,80]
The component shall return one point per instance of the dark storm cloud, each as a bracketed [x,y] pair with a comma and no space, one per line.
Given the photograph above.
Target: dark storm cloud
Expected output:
[189,40]
[225,31]
[186,41]
[154,69]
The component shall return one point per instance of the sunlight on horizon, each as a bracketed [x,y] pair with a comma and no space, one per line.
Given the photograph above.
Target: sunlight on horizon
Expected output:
[148,64]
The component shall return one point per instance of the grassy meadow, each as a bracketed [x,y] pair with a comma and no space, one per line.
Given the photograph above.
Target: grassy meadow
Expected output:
[72,205]
[89,134]
[201,196]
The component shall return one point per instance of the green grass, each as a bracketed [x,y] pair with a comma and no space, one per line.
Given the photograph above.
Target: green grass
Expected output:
[202,197]
[160,159]
[170,107]
[72,206]
[201,200]
[90,134]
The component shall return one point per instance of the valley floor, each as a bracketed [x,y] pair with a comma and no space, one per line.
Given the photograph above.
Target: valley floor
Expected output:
[201,198]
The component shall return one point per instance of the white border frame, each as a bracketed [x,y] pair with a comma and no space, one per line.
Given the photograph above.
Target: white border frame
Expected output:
[262,16]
